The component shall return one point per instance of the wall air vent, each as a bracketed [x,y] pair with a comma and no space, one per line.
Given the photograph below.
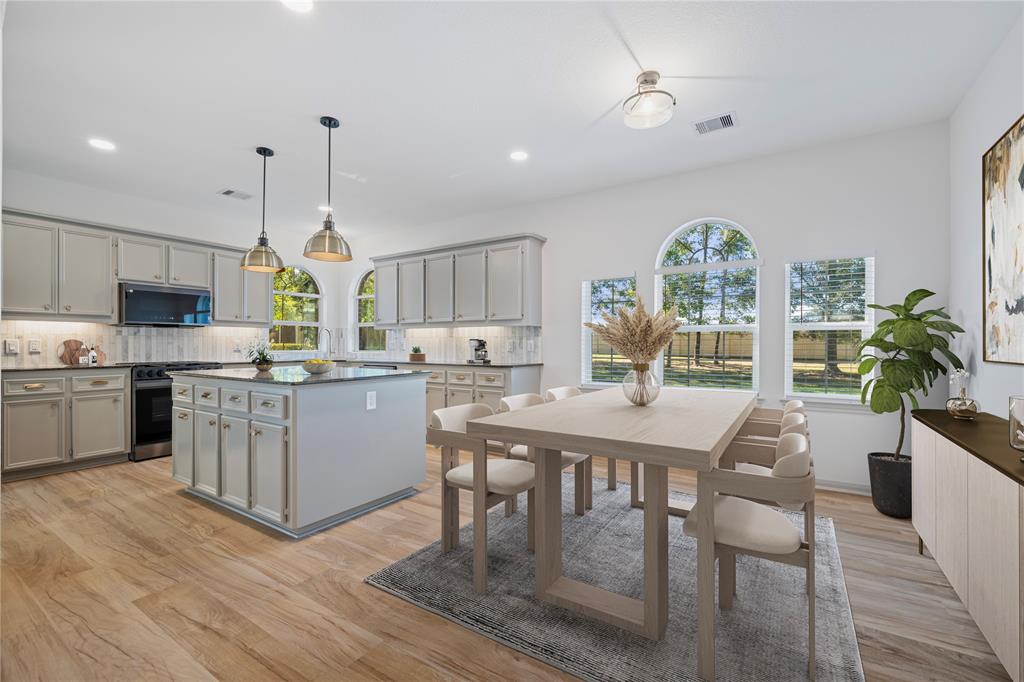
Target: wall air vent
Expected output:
[717,123]
[234,194]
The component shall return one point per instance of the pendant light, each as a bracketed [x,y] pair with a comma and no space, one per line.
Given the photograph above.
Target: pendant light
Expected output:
[262,258]
[327,244]
[648,107]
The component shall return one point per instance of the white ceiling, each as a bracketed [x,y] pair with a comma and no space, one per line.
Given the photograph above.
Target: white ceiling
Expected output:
[433,97]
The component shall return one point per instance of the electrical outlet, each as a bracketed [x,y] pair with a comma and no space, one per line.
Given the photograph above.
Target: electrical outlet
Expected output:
[510,346]
[529,346]
[371,400]
[11,347]
[35,346]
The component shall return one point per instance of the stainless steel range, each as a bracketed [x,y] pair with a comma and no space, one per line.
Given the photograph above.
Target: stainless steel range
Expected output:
[151,406]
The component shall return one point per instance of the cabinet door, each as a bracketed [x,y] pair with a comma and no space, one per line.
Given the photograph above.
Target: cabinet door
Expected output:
[257,296]
[459,396]
[86,278]
[470,285]
[490,397]
[188,267]
[30,268]
[386,293]
[410,291]
[234,460]
[435,400]
[950,548]
[141,260]
[227,288]
[505,283]
[182,442]
[270,471]
[206,445]
[922,482]
[439,282]
[33,432]
[98,426]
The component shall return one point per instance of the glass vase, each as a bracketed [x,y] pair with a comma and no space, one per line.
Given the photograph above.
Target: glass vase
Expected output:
[640,385]
[1017,422]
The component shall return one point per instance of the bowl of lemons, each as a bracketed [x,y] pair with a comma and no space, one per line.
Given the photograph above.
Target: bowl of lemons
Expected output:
[318,366]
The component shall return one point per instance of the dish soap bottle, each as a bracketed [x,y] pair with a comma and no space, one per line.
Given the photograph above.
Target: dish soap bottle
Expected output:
[92,356]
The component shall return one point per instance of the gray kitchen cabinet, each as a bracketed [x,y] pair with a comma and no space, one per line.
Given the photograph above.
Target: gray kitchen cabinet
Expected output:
[188,266]
[410,291]
[386,293]
[270,471]
[470,285]
[234,460]
[458,395]
[439,286]
[435,399]
[85,285]
[257,296]
[29,268]
[228,288]
[33,432]
[182,450]
[206,445]
[98,425]
[141,260]
[505,283]
[490,397]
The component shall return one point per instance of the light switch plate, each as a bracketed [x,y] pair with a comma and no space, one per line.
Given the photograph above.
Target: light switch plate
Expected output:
[11,347]
[529,346]
[371,400]
[35,346]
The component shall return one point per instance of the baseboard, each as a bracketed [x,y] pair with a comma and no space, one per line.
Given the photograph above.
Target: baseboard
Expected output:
[840,487]
[35,472]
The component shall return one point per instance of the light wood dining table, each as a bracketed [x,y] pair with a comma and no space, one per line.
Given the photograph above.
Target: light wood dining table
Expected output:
[683,428]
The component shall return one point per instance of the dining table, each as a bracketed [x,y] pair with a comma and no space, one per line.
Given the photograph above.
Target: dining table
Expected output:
[684,429]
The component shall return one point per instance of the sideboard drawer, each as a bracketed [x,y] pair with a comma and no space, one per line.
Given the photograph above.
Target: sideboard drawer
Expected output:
[269,405]
[436,377]
[207,395]
[99,382]
[33,386]
[490,378]
[464,377]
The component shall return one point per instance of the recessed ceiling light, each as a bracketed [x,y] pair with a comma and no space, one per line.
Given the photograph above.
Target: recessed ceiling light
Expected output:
[105,145]
[519,155]
[301,6]
[324,208]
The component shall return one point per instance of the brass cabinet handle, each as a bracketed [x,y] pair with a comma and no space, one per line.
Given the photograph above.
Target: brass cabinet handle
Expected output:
[67,306]
[206,394]
[213,422]
[234,398]
[227,426]
[257,432]
[183,416]
[99,382]
[490,379]
[176,278]
[459,316]
[268,403]
[156,276]
[460,377]
[182,391]
[33,387]
[46,306]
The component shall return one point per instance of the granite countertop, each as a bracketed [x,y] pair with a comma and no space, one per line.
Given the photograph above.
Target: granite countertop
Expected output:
[50,368]
[431,363]
[296,376]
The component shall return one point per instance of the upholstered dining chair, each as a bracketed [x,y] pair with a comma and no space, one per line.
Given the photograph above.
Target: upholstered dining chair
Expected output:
[506,478]
[745,526]
[563,392]
[581,463]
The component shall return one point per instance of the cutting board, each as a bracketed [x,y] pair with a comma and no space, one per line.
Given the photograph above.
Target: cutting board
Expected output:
[72,349]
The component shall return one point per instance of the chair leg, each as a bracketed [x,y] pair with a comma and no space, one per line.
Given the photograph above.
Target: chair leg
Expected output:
[588,483]
[531,522]
[809,539]
[449,503]
[510,505]
[579,476]
[613,479]
[726,578]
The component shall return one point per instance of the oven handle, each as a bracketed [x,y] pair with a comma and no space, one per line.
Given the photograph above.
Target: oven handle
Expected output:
[152,383]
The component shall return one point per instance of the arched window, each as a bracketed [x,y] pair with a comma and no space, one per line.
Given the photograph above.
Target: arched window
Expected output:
[367,338]
[296,311]
[709,269]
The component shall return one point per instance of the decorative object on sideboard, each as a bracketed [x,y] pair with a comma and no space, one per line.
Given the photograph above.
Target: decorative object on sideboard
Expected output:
[960,406]
[318,366]
[417,355]
[70,351]
[639,336]
[259,355]
[1017,423]
[906,342]
[326,244]
[261,257]
[1002,211]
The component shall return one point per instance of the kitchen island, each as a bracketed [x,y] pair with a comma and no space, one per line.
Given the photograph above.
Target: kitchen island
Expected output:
[295,451]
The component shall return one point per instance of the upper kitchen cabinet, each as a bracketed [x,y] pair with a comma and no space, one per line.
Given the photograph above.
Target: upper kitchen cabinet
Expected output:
[386,293]
[257,288]
[239,296]
[85,286]
[471,285]
[505,283]
[188,266]
[141,260]
[439,288]
[410,291]
[30,268]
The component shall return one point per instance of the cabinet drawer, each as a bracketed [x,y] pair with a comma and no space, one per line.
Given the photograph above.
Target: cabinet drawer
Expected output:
[99,382]
[490,378]
[182,393]
[231,399]
[206,395]
[269,405]
[464,378]
[33,385]
[436,377]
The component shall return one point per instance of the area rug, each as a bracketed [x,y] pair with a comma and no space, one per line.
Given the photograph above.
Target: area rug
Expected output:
[763,636]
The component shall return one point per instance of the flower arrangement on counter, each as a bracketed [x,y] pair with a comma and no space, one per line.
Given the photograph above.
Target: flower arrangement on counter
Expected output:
[258,353]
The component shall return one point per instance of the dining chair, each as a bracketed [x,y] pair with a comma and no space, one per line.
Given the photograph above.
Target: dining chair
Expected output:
[745,526]
[506,478]
[581,463]
[563,392]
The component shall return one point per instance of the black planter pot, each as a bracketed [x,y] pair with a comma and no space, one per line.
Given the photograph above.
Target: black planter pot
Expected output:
[890,484]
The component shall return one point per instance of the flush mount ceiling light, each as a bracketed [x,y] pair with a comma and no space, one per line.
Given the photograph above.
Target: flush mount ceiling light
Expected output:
[326,243]
[262,258]
[300,6]
[519,155]
[105,145]
[648,107]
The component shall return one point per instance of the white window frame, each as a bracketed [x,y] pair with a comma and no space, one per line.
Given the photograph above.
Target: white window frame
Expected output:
[356,325]
[866,328]
[319,324]
[754,329]
[587,334]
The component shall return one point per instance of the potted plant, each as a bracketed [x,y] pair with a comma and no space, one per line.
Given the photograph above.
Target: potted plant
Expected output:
[417,355]
[259,355]
[902,350]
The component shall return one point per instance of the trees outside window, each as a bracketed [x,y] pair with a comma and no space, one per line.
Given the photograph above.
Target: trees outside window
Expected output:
[296,311]
[367,338]
[601,364]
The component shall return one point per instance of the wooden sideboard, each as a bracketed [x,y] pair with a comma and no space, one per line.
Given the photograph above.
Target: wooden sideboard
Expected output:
[968,506]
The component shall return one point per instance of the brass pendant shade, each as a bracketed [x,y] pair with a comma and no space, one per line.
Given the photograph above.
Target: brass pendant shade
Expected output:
[326,244]
[262,258]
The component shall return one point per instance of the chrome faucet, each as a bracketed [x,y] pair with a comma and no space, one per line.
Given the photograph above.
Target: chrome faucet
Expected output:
[330,340]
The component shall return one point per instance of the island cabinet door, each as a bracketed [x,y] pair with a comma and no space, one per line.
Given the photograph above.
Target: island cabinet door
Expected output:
[182,441]
[435,400]
[234,460]
[270,471]
[206,446]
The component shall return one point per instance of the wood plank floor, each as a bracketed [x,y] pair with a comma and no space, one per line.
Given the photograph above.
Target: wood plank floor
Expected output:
[115,574]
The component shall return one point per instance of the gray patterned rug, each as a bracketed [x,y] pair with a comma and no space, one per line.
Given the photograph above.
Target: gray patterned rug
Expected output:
[763,636]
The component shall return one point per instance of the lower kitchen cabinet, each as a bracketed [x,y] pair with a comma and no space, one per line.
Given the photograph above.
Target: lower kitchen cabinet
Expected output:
[491,397]
[182,446]
[234,460]
[458,395]
[33,432]
[206,444]
[97,425]
[435,399]
[269,463]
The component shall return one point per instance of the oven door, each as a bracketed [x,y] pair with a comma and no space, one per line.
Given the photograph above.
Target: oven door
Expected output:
[151,419]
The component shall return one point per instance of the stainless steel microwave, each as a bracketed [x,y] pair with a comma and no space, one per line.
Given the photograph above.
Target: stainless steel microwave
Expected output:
[156,306]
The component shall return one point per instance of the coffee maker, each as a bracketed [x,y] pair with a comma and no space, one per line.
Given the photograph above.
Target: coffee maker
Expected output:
[478,352]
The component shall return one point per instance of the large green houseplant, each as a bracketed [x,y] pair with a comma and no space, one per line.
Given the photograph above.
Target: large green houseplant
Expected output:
[902,349]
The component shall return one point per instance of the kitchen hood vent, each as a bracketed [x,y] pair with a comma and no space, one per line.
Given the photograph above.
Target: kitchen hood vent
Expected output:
[235,194]
[717,123]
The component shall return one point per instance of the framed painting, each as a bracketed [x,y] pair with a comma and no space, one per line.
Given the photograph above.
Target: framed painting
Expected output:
[1002,213]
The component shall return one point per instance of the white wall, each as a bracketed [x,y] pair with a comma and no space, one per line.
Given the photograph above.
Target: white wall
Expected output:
[883,195]
[995,100]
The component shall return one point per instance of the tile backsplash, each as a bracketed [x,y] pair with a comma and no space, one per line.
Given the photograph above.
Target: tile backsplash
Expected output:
[127,344]
[505,345]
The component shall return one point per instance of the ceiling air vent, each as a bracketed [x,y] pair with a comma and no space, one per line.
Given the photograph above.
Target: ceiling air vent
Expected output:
[717,123]
[234,194]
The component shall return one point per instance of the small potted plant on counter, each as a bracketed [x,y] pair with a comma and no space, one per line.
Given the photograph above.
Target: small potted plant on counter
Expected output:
[259,355]
[417,355]
[902,349]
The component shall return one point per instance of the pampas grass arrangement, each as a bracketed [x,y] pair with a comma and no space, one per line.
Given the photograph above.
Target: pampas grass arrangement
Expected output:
[639,336]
